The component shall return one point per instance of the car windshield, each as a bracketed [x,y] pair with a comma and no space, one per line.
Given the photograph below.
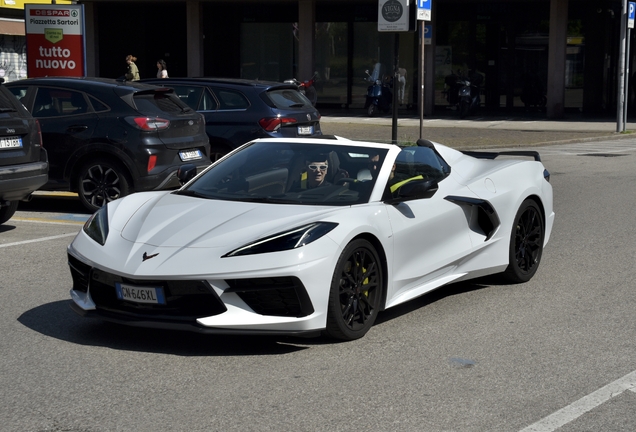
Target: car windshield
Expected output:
[291,173]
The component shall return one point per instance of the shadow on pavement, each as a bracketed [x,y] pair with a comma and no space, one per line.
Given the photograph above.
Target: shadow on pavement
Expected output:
[57,320]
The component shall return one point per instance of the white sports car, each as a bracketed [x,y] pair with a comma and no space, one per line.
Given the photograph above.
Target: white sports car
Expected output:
[303,236]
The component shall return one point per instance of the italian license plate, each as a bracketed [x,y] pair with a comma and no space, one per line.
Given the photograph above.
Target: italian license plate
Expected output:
[150,295]
[188,155]
[305,130]
[10,142]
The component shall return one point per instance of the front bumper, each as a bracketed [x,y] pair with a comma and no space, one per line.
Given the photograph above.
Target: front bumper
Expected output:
[273,299]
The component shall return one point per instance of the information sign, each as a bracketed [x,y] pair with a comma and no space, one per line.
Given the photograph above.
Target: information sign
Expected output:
[424,10]
[55,40]
[393,15]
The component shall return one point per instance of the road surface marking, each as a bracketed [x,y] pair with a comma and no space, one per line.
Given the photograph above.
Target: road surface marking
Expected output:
[583,405]
[38,240]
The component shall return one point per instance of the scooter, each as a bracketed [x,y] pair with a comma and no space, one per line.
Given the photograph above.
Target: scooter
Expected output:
[464,93]
[379,96]
[306,87]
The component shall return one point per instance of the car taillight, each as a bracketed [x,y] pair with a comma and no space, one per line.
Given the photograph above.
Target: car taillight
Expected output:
[149,123]
[152,162]
[272,124]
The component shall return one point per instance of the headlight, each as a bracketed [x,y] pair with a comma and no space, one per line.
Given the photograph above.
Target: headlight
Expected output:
[96,227]
[287,240]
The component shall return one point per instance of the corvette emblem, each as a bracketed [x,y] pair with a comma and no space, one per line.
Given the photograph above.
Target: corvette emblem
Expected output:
[147,257]
[308,117]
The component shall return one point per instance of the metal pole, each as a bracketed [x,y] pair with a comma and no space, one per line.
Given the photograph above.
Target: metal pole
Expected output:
[627,75]
[621,70]
[394,125]
[422,28]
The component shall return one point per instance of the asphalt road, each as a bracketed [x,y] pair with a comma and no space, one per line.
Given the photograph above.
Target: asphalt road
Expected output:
[556,353]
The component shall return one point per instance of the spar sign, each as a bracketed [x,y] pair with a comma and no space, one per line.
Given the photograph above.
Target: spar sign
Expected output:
[55,40]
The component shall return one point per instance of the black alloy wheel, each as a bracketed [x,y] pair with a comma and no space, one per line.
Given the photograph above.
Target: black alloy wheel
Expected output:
[526,243]
[101,182]
[356,292]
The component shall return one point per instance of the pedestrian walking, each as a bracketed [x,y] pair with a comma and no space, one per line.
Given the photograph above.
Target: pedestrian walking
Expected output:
[132,73]
[162,72]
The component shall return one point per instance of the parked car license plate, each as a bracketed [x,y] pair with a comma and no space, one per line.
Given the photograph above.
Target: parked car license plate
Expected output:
[151,295]
[188,155]
[305,130]
[10,142]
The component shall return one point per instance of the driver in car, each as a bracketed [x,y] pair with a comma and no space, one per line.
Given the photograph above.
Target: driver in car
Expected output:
[314,174]
[317,172]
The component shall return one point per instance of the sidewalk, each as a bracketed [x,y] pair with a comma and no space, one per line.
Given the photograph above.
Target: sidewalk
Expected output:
[478,131]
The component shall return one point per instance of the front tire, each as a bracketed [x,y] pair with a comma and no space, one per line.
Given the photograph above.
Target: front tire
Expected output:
[312,95]
[7,212]
[526,243]
[100,182]
[356,292]
[372,110]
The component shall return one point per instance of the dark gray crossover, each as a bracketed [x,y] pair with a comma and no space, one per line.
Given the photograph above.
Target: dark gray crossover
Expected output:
[107,138]
[237,111]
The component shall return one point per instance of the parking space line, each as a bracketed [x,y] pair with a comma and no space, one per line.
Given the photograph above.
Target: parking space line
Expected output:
[583,405]
[38,240]
[62,221]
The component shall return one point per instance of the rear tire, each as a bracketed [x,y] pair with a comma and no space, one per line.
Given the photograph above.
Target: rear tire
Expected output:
[526,243]
[100,182]
[464,107]
[7,212]
[356,292]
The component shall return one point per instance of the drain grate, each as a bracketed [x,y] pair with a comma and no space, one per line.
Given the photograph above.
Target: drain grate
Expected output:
[604,154]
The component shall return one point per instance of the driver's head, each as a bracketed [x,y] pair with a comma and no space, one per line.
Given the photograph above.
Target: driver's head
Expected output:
[317,167]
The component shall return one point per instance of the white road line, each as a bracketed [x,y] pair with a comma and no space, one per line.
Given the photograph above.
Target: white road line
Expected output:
[583,405]
[38,240]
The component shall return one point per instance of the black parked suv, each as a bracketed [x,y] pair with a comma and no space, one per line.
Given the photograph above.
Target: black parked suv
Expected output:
[23,161]
[237,111]
[107,138]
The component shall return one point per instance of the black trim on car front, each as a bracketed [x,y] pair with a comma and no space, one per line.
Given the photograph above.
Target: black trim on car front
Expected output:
[276,296]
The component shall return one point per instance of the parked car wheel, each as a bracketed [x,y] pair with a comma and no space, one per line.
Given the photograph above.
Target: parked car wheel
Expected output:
[217,152]
[7,212]
[356,292]
[100,182]
[526,243]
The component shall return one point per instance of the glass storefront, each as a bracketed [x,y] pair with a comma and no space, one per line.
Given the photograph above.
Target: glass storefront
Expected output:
[331,61]
[267,51]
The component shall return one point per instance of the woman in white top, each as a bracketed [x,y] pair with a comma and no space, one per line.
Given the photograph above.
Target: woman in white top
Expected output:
[161,72]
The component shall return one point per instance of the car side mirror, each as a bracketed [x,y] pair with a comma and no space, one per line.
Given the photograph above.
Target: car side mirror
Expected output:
[416,189]
[186,172]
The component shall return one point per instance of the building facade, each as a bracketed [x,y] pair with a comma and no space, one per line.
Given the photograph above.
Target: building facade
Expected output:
[552,55]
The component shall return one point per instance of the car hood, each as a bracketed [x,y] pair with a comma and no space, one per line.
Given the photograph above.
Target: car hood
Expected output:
[170,220]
